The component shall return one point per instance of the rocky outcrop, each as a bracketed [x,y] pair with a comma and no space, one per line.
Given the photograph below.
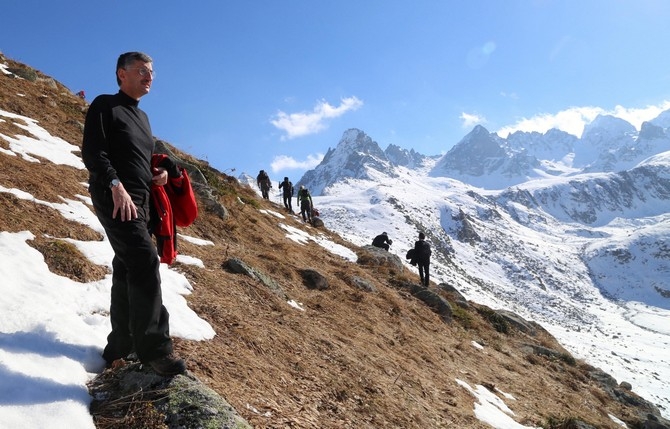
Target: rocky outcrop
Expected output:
[432,299]
[312,279]
[238,266]
[376,257]
[132,395]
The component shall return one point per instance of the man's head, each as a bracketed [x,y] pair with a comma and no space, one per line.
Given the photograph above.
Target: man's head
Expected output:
[422,236]
[134,73]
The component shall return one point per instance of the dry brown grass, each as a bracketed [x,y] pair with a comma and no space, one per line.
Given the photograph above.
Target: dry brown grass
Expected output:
[352,359]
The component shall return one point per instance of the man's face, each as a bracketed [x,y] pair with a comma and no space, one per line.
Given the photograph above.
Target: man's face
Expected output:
[136,79]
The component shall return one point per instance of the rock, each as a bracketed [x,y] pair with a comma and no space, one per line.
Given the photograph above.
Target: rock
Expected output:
[431,298]
[460,300]
[237,266]
[313,279]
[530,328]
[363,284]
[374,256]
[135,396]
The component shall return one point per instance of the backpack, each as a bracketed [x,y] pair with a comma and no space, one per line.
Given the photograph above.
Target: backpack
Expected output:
[287,187]
[263,176]
[422,250]
[304,195]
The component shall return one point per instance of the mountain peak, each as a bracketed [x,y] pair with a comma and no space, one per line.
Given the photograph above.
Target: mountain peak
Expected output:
[355,155]
[475,155]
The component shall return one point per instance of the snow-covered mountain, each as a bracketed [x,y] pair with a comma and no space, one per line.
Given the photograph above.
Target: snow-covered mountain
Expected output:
[486,160]
[570,232]
[355,156]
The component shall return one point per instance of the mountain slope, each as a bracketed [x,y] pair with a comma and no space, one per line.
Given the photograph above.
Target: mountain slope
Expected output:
[364,352]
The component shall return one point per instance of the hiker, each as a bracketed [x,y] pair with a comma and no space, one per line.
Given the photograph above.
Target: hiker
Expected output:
[287,192]
[305,200]
[422,258]
[81,94]
[382,241]
[117,148]
[264,183]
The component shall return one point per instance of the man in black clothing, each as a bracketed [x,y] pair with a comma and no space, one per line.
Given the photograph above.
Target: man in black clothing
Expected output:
[264,183]
[382,241]
[287,192]
[422,258]
[117,149]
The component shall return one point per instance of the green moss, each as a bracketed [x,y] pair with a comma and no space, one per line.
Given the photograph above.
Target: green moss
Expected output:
[496,320]
[462,316]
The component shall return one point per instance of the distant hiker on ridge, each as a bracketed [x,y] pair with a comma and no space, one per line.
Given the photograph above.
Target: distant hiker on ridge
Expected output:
[264,183]
[422,258]
[287,192]
[305,200]
[382,241]
[117,149]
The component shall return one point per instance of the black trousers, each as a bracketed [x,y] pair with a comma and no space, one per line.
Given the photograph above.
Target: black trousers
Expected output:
[306,211]
[139,319]
[424,272]
[287,201]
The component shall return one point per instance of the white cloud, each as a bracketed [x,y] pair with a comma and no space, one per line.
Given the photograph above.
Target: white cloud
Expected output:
[305,123]
[479,56]
[574,119]
[284,162]
[638,116]
[471,119]
[512,95]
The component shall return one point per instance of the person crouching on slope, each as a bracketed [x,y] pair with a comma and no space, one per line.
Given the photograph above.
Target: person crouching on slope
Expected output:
[382,241]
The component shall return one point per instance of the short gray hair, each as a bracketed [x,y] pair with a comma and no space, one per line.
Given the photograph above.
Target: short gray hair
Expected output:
[129,58]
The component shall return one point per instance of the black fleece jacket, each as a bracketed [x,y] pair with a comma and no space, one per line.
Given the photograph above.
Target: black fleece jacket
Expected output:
[118,144]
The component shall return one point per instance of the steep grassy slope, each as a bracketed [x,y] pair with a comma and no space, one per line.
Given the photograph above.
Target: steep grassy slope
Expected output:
[353,358]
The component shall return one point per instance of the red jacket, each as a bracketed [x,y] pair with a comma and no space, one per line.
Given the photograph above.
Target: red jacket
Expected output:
[176,206]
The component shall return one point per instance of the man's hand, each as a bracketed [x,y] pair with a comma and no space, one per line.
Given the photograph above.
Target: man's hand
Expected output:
[160,177]
[123,204]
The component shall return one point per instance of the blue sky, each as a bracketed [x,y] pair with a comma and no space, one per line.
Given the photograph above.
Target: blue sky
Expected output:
[272,85]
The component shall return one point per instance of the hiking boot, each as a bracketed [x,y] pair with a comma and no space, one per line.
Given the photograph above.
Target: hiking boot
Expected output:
[168,365]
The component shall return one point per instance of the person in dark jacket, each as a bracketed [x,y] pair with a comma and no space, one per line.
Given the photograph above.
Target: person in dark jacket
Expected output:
[305,200]
[287,192]
[422,258]
[264,183]
[382,241]
[117,149]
